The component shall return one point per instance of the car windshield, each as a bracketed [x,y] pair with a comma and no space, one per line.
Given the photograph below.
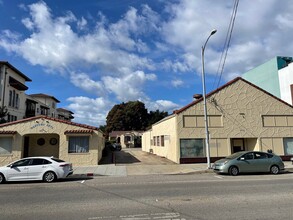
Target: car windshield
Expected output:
[235,155]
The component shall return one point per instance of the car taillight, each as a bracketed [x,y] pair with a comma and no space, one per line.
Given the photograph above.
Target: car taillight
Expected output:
[64,165]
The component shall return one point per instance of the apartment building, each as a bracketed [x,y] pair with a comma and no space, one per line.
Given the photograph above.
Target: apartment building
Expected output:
[19,105]
[275,76]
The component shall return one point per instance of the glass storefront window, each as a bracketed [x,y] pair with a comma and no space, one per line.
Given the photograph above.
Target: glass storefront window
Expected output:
[288,146]
[190,148]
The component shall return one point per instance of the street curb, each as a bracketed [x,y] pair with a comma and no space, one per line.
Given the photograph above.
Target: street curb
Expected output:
[86,175]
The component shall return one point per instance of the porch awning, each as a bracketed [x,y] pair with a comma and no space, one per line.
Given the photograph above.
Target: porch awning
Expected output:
[78,131]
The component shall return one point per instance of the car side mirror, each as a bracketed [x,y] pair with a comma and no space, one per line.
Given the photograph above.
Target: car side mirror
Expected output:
[12,166]
[242,158]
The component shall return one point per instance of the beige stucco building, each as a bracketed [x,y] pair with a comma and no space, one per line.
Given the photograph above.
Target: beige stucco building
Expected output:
[45,136]
[241,116]
[127,139]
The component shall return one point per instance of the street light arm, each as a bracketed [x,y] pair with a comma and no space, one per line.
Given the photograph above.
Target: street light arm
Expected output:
[212,33]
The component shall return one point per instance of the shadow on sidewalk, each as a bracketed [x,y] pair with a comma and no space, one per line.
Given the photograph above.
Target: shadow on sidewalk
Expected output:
[118,157]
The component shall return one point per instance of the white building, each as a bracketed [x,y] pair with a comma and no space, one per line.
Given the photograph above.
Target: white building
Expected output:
[20,105]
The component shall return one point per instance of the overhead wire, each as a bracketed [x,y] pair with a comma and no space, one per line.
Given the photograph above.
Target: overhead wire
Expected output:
[226,45]
[221,70]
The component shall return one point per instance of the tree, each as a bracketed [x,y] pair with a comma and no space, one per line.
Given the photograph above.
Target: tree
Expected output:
[127,116]
[103,128]
[155,116]
[131,116]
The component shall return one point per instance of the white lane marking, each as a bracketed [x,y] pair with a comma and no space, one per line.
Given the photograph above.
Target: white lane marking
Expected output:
[153,216]
[219,177]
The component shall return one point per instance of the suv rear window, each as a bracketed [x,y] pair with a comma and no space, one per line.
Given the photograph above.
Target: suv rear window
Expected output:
[57,160]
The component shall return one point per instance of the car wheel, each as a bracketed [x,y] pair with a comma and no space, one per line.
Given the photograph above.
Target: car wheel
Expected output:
[233,171]
[275,169]
[49,177]
[2,178]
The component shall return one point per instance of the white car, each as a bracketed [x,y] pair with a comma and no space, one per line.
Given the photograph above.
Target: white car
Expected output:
[47,169]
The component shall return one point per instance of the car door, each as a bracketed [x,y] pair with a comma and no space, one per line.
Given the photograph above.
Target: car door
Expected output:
[246,163]
[18,170]
[261,162]
[37,168]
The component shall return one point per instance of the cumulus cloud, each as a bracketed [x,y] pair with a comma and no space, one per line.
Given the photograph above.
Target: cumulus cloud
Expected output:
[128,87]
[83,81]
[177,83]
[115,61]
[89,110]
[259,33]
[162,105]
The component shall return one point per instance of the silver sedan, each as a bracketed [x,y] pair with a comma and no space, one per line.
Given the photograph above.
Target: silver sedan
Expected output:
[249,162]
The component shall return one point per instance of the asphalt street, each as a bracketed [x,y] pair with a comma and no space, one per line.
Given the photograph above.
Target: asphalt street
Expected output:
[176,197]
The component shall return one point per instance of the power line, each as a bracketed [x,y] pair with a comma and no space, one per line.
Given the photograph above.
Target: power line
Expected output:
[227,44]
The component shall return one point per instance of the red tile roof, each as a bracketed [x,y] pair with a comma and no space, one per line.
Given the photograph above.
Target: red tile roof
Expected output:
[52,119]
[78,132]
[8,132]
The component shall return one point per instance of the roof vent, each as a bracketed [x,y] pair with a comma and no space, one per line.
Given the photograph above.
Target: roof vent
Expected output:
[197,96]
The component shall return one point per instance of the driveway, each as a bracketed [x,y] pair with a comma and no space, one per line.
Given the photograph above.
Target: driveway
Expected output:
[134,156]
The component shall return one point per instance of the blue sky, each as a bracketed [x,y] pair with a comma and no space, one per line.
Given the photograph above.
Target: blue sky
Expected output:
[94,54]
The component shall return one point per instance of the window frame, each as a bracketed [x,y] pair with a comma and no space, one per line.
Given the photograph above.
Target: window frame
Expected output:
[9,149]
[78,149]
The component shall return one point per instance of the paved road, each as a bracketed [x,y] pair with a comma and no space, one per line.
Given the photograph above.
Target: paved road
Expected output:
[176,197]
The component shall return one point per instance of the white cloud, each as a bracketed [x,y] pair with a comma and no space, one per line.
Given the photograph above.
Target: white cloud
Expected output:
[261,32]
[90,111]
[125,59]
[128,87]
[82,23]
[177,82]
[162,105]
[82,80]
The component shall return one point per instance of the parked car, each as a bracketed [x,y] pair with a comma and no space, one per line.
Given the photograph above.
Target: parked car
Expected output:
[249,162]
[47,169]
[116,147]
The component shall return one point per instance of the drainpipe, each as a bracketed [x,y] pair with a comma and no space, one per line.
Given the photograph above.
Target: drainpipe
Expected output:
[4,85]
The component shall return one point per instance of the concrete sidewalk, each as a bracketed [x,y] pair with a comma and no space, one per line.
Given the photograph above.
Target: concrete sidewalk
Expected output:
[138,169]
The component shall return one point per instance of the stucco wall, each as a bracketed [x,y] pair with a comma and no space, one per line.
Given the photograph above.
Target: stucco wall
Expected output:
[166,128]
[242,107]
[18,112]
[47,129]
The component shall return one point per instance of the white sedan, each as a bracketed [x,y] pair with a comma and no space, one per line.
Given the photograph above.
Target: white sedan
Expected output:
[47,169]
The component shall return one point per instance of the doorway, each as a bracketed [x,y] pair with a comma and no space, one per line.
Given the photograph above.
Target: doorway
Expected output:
[26,146]
[237,144]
